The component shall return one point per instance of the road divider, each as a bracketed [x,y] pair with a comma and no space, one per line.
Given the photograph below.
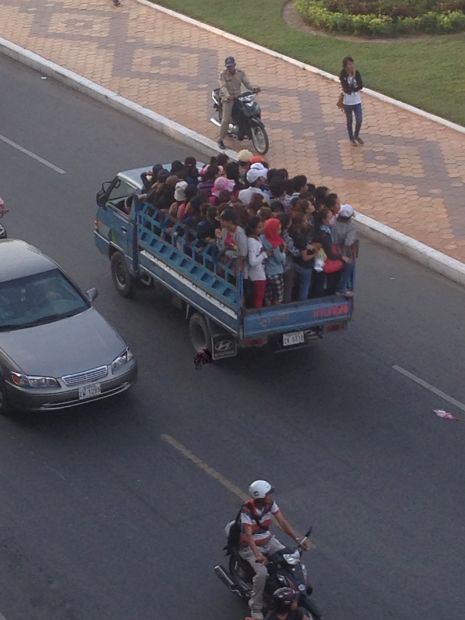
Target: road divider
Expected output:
[419,252]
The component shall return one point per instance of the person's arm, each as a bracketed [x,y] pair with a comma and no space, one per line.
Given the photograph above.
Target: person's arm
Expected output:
[241,242]
[245,81]
[255,258]
[247,533]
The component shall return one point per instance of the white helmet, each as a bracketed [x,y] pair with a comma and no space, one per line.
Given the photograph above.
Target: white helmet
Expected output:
[259,489]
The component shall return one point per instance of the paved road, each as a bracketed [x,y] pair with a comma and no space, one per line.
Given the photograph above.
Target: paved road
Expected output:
[101,518]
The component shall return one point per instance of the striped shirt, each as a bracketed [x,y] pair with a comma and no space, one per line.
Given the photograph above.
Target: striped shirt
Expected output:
[260,521]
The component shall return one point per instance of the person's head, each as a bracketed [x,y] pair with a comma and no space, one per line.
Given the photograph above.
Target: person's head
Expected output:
[212,212]
[241,213]
[190,192]
[211,173]
[180,191]
[195,204]
[272,229]
[264,213]
[256,201]
[348,64]
[277,188]
[176,166]
[325,215]
[333,203]
[228,219]
[171,181]
[256,177]
[259,159]
[320,195]
[261,492]
[232,171]
[284,599]
[224,197]
[244,156]
[299,221]
[299,183]
[222,159]
[276,207]
[346,212]
[254,227]
[162,176]
[230,65]
[222,184]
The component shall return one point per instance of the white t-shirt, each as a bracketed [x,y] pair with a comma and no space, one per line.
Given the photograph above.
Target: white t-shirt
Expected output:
[353,98]
[256,257]
[245,195]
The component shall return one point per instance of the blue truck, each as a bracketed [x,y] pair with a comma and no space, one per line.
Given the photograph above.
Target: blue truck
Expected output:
[145,247]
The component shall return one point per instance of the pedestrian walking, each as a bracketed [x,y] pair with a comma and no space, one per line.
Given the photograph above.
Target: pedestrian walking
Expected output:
[351,82]
[116,3]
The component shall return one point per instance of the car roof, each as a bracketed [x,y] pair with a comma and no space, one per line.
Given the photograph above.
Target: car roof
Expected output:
[133,176]
[18,259]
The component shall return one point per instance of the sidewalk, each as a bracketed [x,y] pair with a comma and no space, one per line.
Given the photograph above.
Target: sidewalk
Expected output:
[410,175]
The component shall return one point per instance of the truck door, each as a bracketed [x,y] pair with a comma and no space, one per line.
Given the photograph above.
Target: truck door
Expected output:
[113,216]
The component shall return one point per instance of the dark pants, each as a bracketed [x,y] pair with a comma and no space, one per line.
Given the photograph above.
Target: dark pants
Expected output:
[353,110]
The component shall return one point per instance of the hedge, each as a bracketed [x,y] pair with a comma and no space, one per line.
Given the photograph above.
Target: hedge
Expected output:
[317,13]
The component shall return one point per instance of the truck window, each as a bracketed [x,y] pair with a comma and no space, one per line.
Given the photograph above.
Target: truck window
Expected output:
[119,192]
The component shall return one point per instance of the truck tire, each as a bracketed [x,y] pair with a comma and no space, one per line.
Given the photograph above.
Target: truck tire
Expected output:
[199,333]
[122,279]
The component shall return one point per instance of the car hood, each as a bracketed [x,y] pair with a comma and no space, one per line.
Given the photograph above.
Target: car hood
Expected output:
[70,345]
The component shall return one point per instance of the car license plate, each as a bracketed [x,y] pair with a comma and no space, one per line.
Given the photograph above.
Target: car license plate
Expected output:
[293,338]
[89,391]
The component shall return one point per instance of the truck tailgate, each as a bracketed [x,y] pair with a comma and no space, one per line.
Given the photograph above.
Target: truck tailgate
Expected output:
[296,316]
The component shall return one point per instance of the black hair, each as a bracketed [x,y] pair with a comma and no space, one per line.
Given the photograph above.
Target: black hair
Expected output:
[222,159]
[211,172]
[285,219]
[330,200]
[276,205]
[277,187]
[299,182]
[345,61]
[232,171]
[229,215]
[176,165]
[251,226]
[190,192]
[320,194]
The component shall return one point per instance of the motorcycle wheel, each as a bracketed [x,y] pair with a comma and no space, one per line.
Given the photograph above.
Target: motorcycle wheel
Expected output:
[259,137]
[239,574]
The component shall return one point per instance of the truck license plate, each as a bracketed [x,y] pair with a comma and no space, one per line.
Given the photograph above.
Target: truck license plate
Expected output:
[89,391]
[293,338]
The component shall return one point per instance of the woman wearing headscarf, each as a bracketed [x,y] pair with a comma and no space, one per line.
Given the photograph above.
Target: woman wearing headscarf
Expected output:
[274,246]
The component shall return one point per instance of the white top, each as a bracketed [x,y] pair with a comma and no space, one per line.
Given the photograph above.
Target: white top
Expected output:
[256,257]
[245,195]
[353,98]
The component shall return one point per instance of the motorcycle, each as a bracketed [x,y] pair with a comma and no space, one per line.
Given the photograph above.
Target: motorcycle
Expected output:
[3,211]
[246,120]
[285,569]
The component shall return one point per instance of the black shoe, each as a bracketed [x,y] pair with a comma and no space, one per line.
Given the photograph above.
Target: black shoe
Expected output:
[354,142]
[116,3]
[221,145]
[359,140]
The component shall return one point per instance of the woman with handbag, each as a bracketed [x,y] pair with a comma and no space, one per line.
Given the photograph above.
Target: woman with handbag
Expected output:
[326,281]
[351,82]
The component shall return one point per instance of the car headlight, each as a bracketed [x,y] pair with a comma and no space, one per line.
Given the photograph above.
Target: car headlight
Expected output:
[292,558]
[31,381]
[121,360]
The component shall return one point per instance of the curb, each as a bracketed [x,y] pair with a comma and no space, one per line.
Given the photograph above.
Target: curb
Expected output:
[419,252]
[302,65]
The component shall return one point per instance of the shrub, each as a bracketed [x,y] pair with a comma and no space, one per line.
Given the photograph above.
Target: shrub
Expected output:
[384,18]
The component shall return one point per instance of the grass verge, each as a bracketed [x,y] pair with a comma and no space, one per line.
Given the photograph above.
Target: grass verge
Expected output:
[425,72]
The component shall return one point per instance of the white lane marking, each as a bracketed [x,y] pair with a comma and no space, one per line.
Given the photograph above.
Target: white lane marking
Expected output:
[210,471]
[2,617]
[430,387]
[41,160]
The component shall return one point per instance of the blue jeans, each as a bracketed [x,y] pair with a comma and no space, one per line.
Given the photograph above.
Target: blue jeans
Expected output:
[304,281]
[355,110]
[346,281]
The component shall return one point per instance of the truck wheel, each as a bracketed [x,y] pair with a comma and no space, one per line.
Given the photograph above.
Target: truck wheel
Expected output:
[199,333]
[122,279]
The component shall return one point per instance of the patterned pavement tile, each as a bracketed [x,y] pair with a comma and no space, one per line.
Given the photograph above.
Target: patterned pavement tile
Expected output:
[409,175]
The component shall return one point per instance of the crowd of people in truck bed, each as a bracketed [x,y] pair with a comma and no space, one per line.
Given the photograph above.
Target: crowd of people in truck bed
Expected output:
[290,239]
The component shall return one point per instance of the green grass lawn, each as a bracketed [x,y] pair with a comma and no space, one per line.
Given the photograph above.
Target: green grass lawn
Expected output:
[428,73]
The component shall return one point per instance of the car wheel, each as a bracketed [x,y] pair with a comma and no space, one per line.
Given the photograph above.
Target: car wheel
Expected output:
[122,279]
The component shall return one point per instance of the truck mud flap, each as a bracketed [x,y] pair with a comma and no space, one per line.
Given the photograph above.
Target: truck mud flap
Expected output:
[223,345]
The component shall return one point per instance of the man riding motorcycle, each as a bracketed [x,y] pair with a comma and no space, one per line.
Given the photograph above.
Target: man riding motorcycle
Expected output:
[285,606]
[231,80]
[256,540]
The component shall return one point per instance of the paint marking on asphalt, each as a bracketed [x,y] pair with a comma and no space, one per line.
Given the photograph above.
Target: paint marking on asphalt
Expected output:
[32,155]
[210,471]
[429,387]
[2,617]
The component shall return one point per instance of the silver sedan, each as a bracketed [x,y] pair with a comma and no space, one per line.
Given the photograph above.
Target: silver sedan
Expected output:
[56,350]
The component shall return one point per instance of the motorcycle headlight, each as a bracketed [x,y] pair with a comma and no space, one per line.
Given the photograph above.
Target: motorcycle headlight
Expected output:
[29,381]
[121,360]
[292,558]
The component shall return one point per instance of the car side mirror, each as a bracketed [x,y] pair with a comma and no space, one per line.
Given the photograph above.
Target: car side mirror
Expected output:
[92,294]
[102,194]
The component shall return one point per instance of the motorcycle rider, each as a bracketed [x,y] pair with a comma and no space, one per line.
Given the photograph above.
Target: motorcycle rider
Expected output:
[231,80]
[285,606]
[256,540]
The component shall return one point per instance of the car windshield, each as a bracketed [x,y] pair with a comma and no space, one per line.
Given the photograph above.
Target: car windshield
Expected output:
[37,299]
